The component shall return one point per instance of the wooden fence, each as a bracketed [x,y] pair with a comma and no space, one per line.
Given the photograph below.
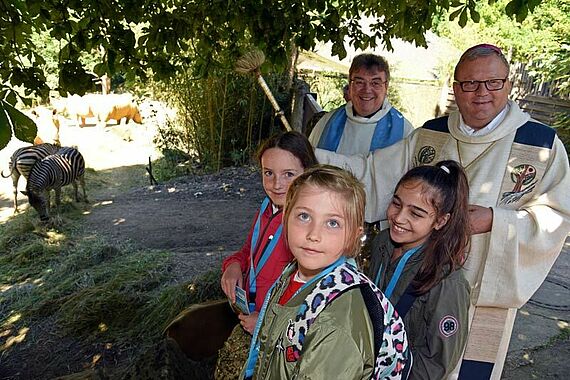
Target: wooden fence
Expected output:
[543,108]
[540,99]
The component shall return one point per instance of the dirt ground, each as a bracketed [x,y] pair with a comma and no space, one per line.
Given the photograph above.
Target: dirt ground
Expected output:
[199,218]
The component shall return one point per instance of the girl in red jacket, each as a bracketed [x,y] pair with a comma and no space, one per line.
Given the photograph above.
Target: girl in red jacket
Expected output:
[260,261]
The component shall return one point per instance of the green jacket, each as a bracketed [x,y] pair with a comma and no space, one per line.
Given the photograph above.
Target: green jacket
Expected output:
[437,322]
[338,345]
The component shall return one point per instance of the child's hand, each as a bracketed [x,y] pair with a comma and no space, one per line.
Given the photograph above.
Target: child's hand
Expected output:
[230,278]
[248,321]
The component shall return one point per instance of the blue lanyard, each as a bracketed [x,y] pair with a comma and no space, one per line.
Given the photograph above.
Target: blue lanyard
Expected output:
[254,347]
[341,260]
[254,272]
[398,272]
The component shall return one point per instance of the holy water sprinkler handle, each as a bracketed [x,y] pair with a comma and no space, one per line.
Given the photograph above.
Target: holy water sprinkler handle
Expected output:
[250,63]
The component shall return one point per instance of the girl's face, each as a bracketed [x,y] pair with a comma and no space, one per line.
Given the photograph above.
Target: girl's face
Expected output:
[411,216]
[279,168]
[316,230]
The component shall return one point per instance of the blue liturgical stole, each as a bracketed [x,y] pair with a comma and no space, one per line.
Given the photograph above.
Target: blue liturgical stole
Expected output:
[389,130]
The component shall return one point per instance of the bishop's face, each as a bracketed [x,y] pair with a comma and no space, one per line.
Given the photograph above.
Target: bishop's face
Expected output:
[479,107]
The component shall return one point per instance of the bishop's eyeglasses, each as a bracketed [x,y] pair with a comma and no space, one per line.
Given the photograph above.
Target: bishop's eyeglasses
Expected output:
[490,84]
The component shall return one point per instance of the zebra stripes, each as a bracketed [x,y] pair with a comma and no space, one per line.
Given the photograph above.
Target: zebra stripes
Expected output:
[22,161]
[52,172]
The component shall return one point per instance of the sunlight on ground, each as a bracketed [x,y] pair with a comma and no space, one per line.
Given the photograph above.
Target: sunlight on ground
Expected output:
[116,222]
[55,237]
[21,285]
[8,212]
[9,336]
[95,359]
[102,203]
[18,338]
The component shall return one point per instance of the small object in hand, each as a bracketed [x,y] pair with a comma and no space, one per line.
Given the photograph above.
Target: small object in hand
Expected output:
[241,305]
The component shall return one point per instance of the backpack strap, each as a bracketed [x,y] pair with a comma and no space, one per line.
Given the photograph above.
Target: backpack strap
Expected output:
[406,301]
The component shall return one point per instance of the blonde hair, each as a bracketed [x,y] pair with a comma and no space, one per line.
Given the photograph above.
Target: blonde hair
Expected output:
[343,183]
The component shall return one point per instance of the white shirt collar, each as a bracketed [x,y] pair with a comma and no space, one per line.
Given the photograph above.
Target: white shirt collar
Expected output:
[468,131]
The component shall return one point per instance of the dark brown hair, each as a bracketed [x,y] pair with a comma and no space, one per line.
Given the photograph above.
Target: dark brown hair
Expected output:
[445,186]
[294,143]
[369,61]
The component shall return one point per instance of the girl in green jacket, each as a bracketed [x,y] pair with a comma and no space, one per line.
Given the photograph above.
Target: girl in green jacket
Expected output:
[417,262]
[323,319]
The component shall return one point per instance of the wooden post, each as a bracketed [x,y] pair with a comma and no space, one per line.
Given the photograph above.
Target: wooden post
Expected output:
[153,181]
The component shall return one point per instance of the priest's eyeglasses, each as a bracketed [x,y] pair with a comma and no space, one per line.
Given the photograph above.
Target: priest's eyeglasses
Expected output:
[360,83]
[490,84]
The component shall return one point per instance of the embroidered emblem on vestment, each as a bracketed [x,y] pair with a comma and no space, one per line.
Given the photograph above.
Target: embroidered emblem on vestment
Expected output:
[524,178]
[426,155]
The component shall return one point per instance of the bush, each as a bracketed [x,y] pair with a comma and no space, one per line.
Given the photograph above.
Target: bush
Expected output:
[220,119]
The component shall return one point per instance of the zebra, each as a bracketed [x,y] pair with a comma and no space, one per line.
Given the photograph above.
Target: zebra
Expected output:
[52,172]
[22,161]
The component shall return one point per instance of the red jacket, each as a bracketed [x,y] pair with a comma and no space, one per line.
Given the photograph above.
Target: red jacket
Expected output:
[272,269]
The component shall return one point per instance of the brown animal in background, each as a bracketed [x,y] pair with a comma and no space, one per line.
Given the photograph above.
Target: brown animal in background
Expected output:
[103,107]
[114,107]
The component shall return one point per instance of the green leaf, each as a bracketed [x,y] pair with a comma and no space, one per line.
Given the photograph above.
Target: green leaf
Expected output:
[454,14]
[511,8]
[463,18]
[522,13]
[5,130]
[338,50]
[475,16]
[24,128]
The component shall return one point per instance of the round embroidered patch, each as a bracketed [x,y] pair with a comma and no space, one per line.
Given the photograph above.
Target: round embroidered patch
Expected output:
[448,326]
[426,154]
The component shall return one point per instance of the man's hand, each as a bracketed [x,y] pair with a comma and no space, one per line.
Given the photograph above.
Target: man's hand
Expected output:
[230,278]
[248,321]
[480,218]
